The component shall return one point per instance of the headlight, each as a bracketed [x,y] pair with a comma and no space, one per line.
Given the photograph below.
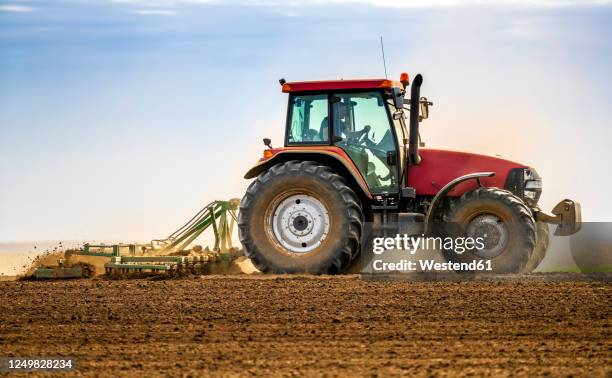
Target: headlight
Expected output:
[533,185]
[526,184]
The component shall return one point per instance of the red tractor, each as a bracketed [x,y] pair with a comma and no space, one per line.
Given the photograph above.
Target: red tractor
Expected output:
[352,155]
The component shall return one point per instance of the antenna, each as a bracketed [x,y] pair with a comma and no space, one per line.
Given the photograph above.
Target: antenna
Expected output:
[382,48]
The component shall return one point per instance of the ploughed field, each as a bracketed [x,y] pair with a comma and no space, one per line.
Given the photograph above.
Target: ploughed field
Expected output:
[312,325]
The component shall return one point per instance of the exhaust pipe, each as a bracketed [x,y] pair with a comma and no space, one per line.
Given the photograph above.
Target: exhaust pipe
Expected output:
[415,95]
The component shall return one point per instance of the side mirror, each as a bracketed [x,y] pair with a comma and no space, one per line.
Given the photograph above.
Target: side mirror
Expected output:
[267,142]
[424,108]
[398,98]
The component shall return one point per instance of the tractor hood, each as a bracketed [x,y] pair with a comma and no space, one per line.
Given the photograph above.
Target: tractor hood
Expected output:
[438,167]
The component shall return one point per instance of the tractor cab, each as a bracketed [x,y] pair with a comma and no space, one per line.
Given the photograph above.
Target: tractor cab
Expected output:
[364,118]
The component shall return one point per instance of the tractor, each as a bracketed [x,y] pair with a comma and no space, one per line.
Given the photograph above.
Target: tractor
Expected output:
[352,154]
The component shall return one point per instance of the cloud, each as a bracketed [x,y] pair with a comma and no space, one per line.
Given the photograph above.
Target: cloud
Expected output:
[155,12]
[377,3]
[13,8]
[429,3]
[164,3]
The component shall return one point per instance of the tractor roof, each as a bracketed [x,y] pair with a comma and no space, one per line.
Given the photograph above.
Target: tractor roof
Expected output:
[301,86]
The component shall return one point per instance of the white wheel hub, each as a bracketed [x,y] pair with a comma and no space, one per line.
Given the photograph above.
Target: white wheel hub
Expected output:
[300,223]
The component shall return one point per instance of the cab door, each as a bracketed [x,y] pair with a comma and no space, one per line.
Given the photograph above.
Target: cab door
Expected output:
[363,128]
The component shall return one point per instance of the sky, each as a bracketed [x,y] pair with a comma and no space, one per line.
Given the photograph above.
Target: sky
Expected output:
[120,119]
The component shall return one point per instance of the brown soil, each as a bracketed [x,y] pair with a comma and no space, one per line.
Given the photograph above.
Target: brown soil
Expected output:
[267,325]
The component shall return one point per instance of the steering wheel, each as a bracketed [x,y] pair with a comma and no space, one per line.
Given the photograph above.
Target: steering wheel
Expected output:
[364,141]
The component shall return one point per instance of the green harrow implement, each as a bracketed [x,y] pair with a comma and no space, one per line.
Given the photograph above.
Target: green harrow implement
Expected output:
[163,255]
[47,273]
[157,264]
[214,214]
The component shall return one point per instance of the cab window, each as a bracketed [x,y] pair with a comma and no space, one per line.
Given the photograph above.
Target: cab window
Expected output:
[309,120]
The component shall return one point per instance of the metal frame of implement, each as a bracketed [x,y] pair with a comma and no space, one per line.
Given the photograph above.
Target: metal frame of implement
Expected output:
[220,215]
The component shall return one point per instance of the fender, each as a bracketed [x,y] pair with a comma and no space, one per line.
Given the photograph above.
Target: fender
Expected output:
[435,203]
[334,157]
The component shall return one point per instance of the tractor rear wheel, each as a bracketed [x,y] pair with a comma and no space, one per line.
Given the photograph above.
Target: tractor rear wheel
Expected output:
[502,221]
[300,217]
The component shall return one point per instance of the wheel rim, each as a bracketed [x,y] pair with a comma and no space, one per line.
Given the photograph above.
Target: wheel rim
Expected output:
[494,232]
[300,223]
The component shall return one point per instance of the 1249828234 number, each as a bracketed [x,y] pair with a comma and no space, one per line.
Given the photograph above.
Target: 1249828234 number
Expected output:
[30,364]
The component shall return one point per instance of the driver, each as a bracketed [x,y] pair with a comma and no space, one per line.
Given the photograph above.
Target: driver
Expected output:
[342,126]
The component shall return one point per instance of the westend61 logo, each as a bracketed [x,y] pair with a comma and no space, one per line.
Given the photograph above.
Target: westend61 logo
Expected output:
[402,244]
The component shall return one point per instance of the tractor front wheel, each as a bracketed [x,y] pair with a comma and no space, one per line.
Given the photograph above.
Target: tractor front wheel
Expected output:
[539,252]
[300,217]
[501,220]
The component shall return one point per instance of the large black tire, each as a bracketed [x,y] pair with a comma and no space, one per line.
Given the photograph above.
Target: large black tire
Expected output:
[265,198]
[539,252]
[514,219]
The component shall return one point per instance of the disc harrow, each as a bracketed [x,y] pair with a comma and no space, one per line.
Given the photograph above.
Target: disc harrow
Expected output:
[168,255]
